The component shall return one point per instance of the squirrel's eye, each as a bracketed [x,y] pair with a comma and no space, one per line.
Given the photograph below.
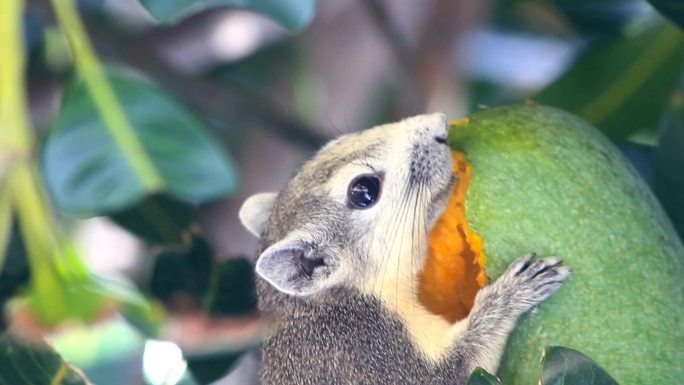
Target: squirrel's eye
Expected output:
[364,191]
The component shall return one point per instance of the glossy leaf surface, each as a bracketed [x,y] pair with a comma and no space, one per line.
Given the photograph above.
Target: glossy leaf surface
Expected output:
[292,14]
[482,377]
[622,86]
[182,274]
[88,174]
[191,275]
[15,271]
[24,363]
[208,368]
[600,16]
[564,366]
[158,219]
[232,290]
[672,9]
[669,165]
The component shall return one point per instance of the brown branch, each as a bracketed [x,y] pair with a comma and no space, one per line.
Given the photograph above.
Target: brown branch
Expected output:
[400,50]
[413,98]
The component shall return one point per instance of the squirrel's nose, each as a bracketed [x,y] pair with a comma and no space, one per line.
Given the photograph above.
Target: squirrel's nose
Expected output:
[431,128]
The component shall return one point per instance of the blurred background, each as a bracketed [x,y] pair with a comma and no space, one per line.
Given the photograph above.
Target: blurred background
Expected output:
[134,129]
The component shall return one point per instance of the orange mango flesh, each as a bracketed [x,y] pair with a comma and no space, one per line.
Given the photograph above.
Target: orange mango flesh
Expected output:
[454,269]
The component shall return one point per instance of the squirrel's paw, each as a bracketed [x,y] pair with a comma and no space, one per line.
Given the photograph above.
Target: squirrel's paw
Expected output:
[529,281]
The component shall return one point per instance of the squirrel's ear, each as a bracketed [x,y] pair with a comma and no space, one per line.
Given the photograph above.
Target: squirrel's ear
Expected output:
[255,211]
[293,267]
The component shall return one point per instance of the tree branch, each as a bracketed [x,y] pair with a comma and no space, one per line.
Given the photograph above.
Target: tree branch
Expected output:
[413,95]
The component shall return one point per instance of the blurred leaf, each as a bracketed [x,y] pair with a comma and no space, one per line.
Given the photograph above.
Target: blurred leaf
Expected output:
[15,271]
[622,86]
[294,15]
[483,93]
[88,174]
[72,296]
[601,16]
[23,363]
[569,17]
[482,377]
[672,9]
[207,368]
[83,297]
[192,278]
[108,353]
[146,318]
[232,288]
[669,165]
[640,156]
[83,300]
[33,32]
[261,71]
[182,275]
[158,219]
[142,313]
[564,366]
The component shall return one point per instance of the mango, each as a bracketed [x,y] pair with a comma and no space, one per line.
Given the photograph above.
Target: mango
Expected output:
[540,179]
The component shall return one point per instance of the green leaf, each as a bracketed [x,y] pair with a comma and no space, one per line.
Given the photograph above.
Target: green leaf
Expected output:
[564,366]
[622,86]
[261,71]
[207,368]
[158,219]
[668,178]
[87,174]
[80,298]
[24,363]
[600,16]
[147,317]
[584,17]
[182,273]
[84,297]
[294,15]
[482,377]
[15,271]
[193,274]
[672,9]
[232,289]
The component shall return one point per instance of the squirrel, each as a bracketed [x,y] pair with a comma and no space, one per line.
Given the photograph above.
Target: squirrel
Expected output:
[342,246]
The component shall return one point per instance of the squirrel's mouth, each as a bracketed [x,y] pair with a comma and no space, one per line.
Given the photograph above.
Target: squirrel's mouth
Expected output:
[440,199]
[453,271]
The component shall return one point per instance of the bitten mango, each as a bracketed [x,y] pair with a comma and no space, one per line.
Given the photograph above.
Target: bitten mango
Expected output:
[534,178]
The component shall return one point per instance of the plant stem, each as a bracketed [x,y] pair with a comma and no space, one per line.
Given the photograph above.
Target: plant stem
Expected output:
[5,224]
[12,141]
[15,138]
[104,97]
[218,101]
[41,244]
[16,144]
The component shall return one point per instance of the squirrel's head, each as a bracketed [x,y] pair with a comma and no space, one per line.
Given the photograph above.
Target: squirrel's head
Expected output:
[357,210]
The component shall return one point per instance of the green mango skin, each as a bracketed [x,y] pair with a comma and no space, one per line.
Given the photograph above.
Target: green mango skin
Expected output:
[546,181]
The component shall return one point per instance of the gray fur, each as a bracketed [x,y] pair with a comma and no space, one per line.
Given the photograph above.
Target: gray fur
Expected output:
[345,337]
[315,250]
